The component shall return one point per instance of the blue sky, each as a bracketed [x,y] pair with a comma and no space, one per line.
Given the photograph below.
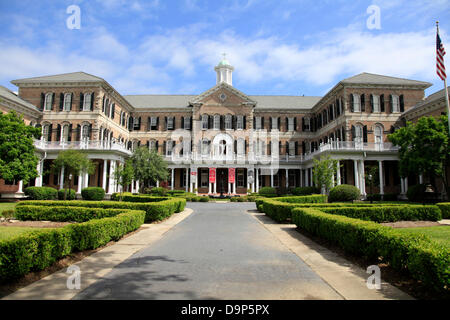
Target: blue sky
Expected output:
[284,47]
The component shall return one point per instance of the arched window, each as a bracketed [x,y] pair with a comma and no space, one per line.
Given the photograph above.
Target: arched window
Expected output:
[85,132]
[45,132]
[205,147]
[65,133]
[87,102]
[205,122]
[358,138]
[378,133]
[48,101]
[228,122]
[217,122]
[67,101]
[241,146]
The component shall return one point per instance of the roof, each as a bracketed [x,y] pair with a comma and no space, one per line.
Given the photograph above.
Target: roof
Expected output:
[8,94]
[428,100]
[182,101]
[370,78]
[65,77]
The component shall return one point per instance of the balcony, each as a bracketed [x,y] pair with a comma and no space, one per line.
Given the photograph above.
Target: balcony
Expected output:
[81,145]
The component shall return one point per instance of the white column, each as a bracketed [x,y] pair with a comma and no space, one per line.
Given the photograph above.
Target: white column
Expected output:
[137,186]
[111,177]
[402,186]
[338,173]
[363,178]
[172,179]
[271,177]
[80,183]
[333,184]
[132,186]
[356,175]
[105,173]
[157,184]
[380,171]
[234,187]
[311,177]
[38,180]
[210,188]
[257,179]
[61,179]
[86,180]
[287,178]
[20,190]
[421,178]
[306,177]
[215,186]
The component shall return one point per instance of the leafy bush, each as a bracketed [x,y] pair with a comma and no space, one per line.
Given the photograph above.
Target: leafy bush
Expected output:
[344,192]
[41,193]
[8,214]
[374,197]
[425,259]
[204,199]
[176,193]
[305,191]
[416,193]
[71,195]
[390,197]
[116,196]
[445,209]
[268,192]
[37,250]
[158,191]
[154,211]
[281,211]
[93,194]
[63,214]
[143,198]
[388,213]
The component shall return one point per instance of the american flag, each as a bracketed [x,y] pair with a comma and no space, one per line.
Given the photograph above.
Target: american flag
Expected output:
[440,58]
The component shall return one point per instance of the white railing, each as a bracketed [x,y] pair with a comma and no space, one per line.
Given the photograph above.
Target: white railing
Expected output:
[82,145]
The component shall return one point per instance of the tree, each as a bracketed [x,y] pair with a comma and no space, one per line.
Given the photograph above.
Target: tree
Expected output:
[17,153]
[149,167]
[324,172]
[124,175]
[74,162]
[424,148]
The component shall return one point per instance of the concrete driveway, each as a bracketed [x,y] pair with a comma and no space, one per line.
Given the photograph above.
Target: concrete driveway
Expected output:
[218,252]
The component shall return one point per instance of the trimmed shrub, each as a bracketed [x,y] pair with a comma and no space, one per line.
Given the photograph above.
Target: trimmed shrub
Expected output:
[316,198]
[425,259]
[41,193]
[176,193]
[8,214]
[281,211]
[116,196]
[158,191]
[93,194]
[63,214]
[36,250]
[388,213]
[268,192]
[445,209]
[204,199]
[71,195]
[142,198]
[305,191]
[416,193]
[154,211]
[344,192]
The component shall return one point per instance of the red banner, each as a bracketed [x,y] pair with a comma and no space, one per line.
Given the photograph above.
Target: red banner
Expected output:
[231,175]
[212,175]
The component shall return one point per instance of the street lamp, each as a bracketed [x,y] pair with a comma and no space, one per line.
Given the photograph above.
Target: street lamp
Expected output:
[371,184]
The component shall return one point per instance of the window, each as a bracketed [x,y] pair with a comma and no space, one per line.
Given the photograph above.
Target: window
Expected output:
[152,145]
[169,148]
[204,122]
[187,123]
[45,132]
[274,123]
[291,148]
[241,147]
[87,102]
[240,123]
[258,123]
[307,124]
[67,101]
[65,133]
[259,148]
[356,103]
[153,123]
[48,101]
[240,178]
[204,178]
[205,147]
[358,138]
[376,103]
[378,134]
[291,126]
[170,123]
[216,122]
[274,149]
[228,122]
[395,103]
[85,132]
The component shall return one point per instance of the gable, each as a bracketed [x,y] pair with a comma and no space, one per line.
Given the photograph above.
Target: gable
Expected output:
[223,94]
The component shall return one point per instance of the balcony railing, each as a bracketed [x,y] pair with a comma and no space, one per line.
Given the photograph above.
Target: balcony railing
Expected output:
[82,145]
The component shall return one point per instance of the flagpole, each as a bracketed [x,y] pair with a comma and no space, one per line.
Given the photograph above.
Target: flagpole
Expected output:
[446,89]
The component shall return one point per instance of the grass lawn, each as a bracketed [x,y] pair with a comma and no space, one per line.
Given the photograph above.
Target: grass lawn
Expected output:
[7,206]
[10,232]
[440,234]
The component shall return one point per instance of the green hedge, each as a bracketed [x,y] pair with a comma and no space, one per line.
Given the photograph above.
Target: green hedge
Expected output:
[63,213]
[423,258]
[37,250]
[154,211]
[344,192]
[158,191]
[445,209]
[70,195]
[281,211]
[93,194]
[142,198]
[41,193]
[305,191]
[268,192]
[388,213]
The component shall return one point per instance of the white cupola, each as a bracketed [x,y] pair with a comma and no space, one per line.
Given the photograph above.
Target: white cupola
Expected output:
[224,72]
